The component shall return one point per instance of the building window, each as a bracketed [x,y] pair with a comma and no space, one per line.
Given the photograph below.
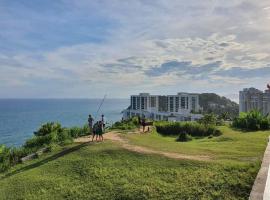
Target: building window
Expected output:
[176,104]
[138,103]
[162,104]
[133,101]
[183,104]
[171,104]
[193,103]
[187,102]
[145,103]
[152,102]
[142,103]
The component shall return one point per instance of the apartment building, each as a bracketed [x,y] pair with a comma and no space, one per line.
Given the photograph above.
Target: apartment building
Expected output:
[254,99]
[179,107]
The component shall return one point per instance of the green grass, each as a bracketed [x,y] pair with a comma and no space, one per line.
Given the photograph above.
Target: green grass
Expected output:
[107,171]
[231,146]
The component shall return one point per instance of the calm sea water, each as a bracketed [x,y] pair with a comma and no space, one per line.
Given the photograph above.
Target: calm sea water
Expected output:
[19,118]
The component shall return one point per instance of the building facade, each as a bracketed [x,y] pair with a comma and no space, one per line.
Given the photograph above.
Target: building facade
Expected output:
[254,99]
[180,107]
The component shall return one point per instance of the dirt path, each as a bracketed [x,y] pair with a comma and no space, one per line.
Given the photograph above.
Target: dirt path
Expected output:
[116,137]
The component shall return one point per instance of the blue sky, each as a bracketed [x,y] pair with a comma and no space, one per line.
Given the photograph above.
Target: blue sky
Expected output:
[80,48]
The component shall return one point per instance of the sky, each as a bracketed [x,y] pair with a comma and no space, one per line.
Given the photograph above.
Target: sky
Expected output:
[88,48]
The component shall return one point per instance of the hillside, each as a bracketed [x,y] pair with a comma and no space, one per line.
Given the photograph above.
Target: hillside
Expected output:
[109,171]
[211,102]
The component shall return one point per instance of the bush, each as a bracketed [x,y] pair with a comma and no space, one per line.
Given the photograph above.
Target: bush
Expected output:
[208,119]
[10,156]
[48,135]
[126,124]
[49,128]
[252,120]
[183,137]
[64,137]
[265,124]
[75,131]
[192,128]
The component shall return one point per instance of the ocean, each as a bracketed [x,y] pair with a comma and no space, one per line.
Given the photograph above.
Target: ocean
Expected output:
[19,118]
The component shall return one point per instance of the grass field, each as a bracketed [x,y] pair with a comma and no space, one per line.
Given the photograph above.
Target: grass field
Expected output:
[232,146]
[107,171]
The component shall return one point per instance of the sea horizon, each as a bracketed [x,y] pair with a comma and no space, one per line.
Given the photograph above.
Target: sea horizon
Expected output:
[19,118]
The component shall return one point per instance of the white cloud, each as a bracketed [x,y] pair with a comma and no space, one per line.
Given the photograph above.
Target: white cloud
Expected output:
[145,35]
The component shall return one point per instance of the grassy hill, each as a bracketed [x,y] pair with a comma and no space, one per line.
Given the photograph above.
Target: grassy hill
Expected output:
[211,102]
[107,171]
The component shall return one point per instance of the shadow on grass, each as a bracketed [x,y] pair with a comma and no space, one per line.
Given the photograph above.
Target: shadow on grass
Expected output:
[46,160]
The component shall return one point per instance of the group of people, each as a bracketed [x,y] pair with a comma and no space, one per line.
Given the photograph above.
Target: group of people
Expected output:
[97,130]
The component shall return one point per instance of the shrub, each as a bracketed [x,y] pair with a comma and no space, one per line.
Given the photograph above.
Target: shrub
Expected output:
[265,124]
[192,128]
[75,131]
[126,124]
[208,119]
[252,120]
[64,137]
[217,132]
[49,128]
[183,137]
[48,135]
[10,156]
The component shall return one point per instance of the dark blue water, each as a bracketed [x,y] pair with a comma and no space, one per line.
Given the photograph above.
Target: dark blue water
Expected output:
[19,118]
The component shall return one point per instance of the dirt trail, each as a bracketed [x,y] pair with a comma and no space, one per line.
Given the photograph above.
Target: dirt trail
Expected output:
[116,137]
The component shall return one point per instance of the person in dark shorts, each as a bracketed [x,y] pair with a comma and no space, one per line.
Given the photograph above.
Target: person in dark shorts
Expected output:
[95,131]
[100,131]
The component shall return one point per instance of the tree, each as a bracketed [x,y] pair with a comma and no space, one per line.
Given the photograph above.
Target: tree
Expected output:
[208,119]
[224,116]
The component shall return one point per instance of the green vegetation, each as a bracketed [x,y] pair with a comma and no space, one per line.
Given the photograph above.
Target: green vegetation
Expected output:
[48,135]
[231,147]
[126,124]
[184,137]
[194,129]
[252,120]
[106,171]
[213,103]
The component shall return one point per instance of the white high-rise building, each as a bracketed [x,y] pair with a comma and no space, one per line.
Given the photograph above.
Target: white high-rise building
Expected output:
[180,107]
[254,99]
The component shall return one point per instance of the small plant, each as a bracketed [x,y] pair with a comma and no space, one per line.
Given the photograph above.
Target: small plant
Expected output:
[183,137]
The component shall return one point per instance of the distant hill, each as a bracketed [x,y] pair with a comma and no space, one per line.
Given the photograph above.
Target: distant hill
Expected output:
[211,102]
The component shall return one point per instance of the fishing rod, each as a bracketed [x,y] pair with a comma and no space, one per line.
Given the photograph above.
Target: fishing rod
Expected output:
[101,103]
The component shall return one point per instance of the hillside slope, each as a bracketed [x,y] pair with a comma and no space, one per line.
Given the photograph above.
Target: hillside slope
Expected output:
[211,102]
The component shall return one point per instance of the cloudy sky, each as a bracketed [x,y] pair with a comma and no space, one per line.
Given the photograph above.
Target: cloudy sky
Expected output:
[80,48]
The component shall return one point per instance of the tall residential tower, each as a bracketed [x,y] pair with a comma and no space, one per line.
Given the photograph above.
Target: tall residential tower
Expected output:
[254,99]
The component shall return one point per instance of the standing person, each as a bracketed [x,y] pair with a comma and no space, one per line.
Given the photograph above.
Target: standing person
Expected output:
[101,131]
[143,124]
[95,131]
[90,124]
[103,123]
